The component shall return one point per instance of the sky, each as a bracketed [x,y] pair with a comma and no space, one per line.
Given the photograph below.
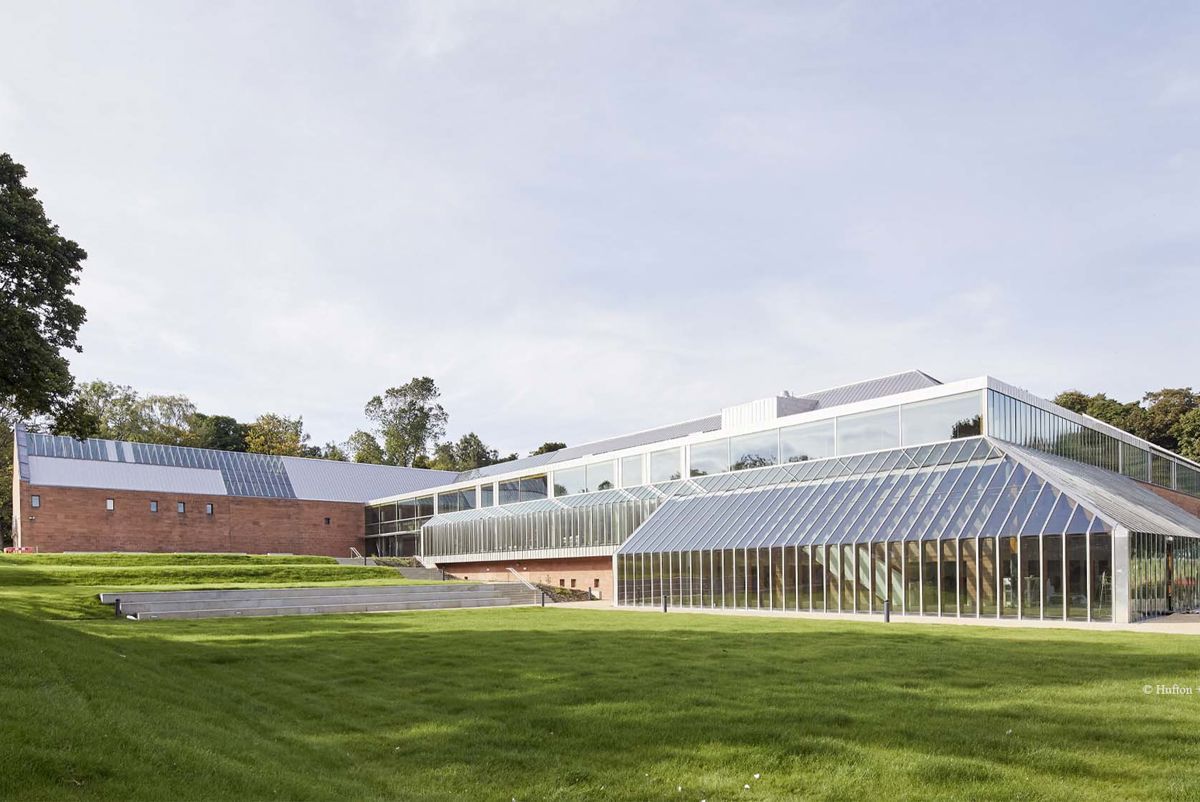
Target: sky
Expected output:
[588,218]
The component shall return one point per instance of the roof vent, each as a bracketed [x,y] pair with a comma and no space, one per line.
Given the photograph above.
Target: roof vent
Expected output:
[765,410]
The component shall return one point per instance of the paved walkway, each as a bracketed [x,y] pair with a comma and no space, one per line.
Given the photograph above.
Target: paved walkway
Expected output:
[1177,624]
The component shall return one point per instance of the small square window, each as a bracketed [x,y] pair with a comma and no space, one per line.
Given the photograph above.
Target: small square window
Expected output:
[327,522]
[562,583]
[35,502]
[153,506]
[208,509]
[572,582]
[109,504]
[180,507]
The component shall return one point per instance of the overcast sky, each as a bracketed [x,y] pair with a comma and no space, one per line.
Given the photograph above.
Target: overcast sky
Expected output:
[588,218]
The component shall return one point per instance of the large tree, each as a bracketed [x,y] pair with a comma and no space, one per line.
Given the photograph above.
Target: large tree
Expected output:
[408,419]
[468,452]
[216,431]
[121,413]
[363,447]
[277,434]
[39,319]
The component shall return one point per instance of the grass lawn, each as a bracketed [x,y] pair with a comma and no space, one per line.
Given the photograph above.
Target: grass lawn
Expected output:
[532,704]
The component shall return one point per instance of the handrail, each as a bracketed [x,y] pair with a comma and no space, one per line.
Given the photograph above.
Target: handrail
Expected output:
[355,553]
[524,581]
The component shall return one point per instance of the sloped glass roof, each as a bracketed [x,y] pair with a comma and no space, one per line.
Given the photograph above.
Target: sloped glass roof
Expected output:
[964,488]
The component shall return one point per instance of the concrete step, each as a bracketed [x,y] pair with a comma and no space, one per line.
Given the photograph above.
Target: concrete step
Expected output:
[311,601]
[369,563]
[293,601]
[420,573]
[329,609]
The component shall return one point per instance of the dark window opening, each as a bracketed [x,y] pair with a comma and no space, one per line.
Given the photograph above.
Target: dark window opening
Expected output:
[562,583]
[327,522]
[572,583]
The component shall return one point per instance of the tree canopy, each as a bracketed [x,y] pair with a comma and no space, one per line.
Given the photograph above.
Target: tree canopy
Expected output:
[1168,417]
[468,452]
[277,434]
[408,419]
[547,448]
[39,318]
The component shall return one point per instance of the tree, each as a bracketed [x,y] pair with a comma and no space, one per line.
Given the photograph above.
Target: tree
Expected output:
[547,448]
[1159,414]
[276,434]
[408,418]
[38,318]
[6,485]
[467,453]
[1187,433]
[330,451]
[363,447]
[1098,406]
[216,431]
[118,412]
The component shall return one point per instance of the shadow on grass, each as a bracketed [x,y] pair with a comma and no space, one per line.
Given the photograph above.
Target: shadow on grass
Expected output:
[532,703]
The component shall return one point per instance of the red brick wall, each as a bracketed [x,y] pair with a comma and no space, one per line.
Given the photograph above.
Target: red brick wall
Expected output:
[75,519]
[560,571]
[1189,503]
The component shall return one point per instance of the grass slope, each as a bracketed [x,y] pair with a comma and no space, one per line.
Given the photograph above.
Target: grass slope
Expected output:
[532,703]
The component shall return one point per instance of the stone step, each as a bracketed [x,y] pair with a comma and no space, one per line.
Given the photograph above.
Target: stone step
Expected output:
[328,609]
[283,600]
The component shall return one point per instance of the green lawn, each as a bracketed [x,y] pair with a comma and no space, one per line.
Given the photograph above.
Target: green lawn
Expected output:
[532,704]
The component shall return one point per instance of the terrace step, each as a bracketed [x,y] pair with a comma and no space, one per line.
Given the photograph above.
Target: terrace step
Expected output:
[421,573]
[313,601]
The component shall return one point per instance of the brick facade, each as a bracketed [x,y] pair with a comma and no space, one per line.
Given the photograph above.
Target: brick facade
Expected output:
[584,571]
[1189,503]
[75,519]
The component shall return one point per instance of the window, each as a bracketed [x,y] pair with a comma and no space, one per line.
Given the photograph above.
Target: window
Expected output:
[631,471]
[153,506]
[709,458]
[664,465]
[527,489]
[602,476]
[35,502]
[562,583]
[327,522]
[754,450]
[941,419]
[487,495]
[180,507]
[570,481]
[868,431]
[572,583]
[805,442]
[457,500]
[109,504]
[596,582]
[208,509]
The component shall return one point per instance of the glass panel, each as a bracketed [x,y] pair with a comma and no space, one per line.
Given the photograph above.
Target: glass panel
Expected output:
[754,450]
[847,578]
[968,578]
[895,585]
[809,441]
[533,487]
[709,458]
[941,419]
[1077,568]
[879,576]
[1009,578]
[1052,570]
[487,495]
[510,492]
[783,579]
[987,577]
[949,579]
[1160,470]
[818,576]
[664,465]
[631,471]
[601,476]
[868,431]
[929,583]
[833,578]
[739,579]
[1031,583]
[912,576]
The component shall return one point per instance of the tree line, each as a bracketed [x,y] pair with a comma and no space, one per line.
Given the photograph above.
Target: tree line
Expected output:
[404,426]
[1169,417]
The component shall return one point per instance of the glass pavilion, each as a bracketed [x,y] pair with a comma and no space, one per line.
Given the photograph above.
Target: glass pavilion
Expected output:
[975,499]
